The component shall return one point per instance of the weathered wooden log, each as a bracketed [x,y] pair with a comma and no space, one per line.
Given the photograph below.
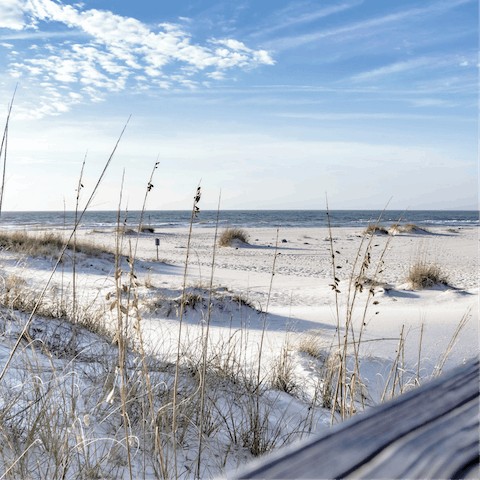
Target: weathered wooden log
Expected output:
[429,432]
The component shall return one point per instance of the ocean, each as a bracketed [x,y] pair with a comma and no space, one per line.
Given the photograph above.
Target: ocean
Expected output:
[238,218]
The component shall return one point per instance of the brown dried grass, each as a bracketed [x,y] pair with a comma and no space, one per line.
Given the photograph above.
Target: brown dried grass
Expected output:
[372,229]
[423,275]
[45,244]
[409,228]
[231,234]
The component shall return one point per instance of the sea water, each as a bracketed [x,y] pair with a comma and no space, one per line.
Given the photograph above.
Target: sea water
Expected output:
[238,218]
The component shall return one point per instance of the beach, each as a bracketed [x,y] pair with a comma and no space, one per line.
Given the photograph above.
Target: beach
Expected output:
[273,295]
[301,295]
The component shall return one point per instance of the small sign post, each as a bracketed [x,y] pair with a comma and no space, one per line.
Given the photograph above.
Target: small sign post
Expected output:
[157,243]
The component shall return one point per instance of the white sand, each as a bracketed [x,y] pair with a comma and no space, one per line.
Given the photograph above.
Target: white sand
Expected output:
[299,298]
[301,295]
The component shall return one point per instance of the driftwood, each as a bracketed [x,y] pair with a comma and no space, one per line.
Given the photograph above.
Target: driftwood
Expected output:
[429,432]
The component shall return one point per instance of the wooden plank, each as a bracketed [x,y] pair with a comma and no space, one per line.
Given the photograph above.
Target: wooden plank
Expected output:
[429,432]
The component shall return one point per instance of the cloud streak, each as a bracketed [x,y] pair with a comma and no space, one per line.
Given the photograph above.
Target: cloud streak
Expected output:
[374,116]
[366,25]
[392,69]
[399,67]
[306,17]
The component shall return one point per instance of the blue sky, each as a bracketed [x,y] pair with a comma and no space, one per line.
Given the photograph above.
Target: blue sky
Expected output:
[274,103]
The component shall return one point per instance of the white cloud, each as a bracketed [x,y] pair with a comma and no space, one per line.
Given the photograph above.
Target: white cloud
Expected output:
[7,45]
[11,14]
[234,45]
[76,96]
[130,37]
[216,75]
[163,84]
[262,56]
[121,49]
[95,95]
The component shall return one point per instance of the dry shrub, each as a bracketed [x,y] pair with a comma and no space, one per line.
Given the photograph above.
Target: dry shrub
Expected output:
[241,299]
[364,281]
[409,228]
[146,230]
[312,343]
[372,229]
[231,234]
[125,231]
[425,275]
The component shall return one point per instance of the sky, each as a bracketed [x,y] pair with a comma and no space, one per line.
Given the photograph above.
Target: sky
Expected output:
[275,104]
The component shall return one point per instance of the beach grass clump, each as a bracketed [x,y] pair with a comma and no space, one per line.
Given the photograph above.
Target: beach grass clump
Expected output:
[46,244]
[231,234]
[363,281]
[144,229]
[313,344]
[283,370]
[408,228]
[422,274]
[122,230]
[18,294]
[242,300]
[373,229]
[20,241]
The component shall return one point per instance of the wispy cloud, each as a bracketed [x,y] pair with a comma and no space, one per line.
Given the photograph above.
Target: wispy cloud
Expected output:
[33,34]
[365,25]
[433,102]
[398,67]
[53,102]
[392,68]
[121,48]
[287,19]
[374,116]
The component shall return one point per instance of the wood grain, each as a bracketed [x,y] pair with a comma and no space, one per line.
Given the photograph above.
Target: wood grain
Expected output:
[429,432]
